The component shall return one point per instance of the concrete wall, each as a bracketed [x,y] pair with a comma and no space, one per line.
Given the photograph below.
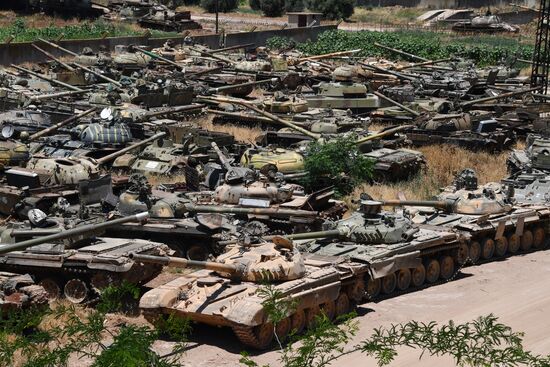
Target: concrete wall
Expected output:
[17,53]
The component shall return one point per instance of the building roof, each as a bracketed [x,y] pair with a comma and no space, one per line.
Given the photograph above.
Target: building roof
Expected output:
[303,13]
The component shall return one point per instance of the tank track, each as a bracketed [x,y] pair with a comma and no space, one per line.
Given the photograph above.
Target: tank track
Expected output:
[246,335]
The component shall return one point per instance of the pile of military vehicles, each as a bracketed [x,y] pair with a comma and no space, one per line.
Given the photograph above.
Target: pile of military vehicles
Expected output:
[108,175]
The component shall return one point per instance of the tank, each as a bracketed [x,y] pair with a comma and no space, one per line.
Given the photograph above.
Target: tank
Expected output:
[225,292]
[15,122]
[400,253]
[485,24]
[490,223]
[79,268]
[282,104]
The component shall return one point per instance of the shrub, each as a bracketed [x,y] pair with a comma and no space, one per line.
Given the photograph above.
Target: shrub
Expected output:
[333,9]
[272,8]
[224,6]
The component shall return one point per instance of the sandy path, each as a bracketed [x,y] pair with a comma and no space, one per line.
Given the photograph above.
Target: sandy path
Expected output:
[516,290]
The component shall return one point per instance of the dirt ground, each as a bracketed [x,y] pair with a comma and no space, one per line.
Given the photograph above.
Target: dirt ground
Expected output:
[516,290]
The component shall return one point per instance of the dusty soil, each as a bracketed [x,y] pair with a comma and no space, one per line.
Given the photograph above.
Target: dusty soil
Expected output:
[515,290]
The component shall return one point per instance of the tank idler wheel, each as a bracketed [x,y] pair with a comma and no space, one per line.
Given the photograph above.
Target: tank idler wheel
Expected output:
[311,315]
[418,275]
[526,241]
[501,247]
[403,279]
[474,252]
[373,288]
[539,238]
[513,243]
[257,337]
[463,253]
[283,328]
[342,304]
[487,249]
[329,309]
[75,291]
[197,252]
[52,288]
[298,321]
[432,271]
[447,267]
[389,282]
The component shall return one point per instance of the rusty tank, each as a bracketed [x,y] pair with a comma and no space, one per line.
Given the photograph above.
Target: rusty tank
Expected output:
[491,224]
[227,292]
[73,262]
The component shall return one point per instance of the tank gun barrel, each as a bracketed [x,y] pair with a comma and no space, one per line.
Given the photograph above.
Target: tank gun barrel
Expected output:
[204,72]
[500,96]
[56,95]
[123,151]
[98,74]
[158,57]
[178,262]
[402,53]
[274,212]
[65,65]
[424,63]
[270,116]
[383,134]
[170,111]
[333,233]
[85,229]
[212,55]
[230,48]
[223,159]
[329,55]
[240,115]
[386,71]
[236,86]
[445,205]
[411,111]
[54,45]
[40,76]
[61,124]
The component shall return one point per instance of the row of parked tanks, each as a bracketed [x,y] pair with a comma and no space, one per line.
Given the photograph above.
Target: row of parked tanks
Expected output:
[108,177]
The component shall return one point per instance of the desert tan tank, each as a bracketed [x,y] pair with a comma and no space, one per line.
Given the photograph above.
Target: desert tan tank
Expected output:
[225,292]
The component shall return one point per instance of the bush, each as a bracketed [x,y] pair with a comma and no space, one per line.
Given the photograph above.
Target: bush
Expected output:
[255,4]
[294,5]
[224,6]
[272,8]
[333,9]
[337,163]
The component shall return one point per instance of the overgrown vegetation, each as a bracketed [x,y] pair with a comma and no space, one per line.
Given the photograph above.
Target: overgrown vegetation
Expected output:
[484,50]
[51,337]
[223,6]
[332,9]
[482,342]
[337,162]
[83,30]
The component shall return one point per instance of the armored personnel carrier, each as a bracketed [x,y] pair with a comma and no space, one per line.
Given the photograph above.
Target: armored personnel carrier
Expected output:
[489,223]
[400,254]
[225,292]
[81,268]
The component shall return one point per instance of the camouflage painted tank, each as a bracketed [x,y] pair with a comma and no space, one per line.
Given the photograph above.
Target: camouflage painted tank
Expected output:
[83,267]
[226,292]
[400,254]
[489,223]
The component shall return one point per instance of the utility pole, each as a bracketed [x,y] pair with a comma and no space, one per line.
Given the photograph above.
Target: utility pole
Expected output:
[541,55]
[217,10]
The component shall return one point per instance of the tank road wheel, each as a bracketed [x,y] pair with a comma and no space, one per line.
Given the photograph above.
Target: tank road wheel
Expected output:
[539,237]
[311,314]
[389,282]
[447,267]
[501,247]
[329,309]
[513,243]
[52,288]
[342,304]
[463,253]
[403,279]
[257,337]
[526,240]
[100,281]
[418,276]
[283,327]
[432,271]
[474,252]
[373,288]
[298,321]
[75,291]
[197,252]
[487,249]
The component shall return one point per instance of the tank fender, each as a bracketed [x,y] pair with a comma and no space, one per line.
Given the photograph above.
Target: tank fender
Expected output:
[249,312]
[164,296]
[380,269]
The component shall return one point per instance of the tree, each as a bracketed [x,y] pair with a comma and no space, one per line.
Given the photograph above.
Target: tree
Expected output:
[272,8]
[333,9]
[224,6]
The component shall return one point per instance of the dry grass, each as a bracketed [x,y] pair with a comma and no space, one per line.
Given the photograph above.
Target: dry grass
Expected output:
[36,20]
[442,164]
[242,134]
